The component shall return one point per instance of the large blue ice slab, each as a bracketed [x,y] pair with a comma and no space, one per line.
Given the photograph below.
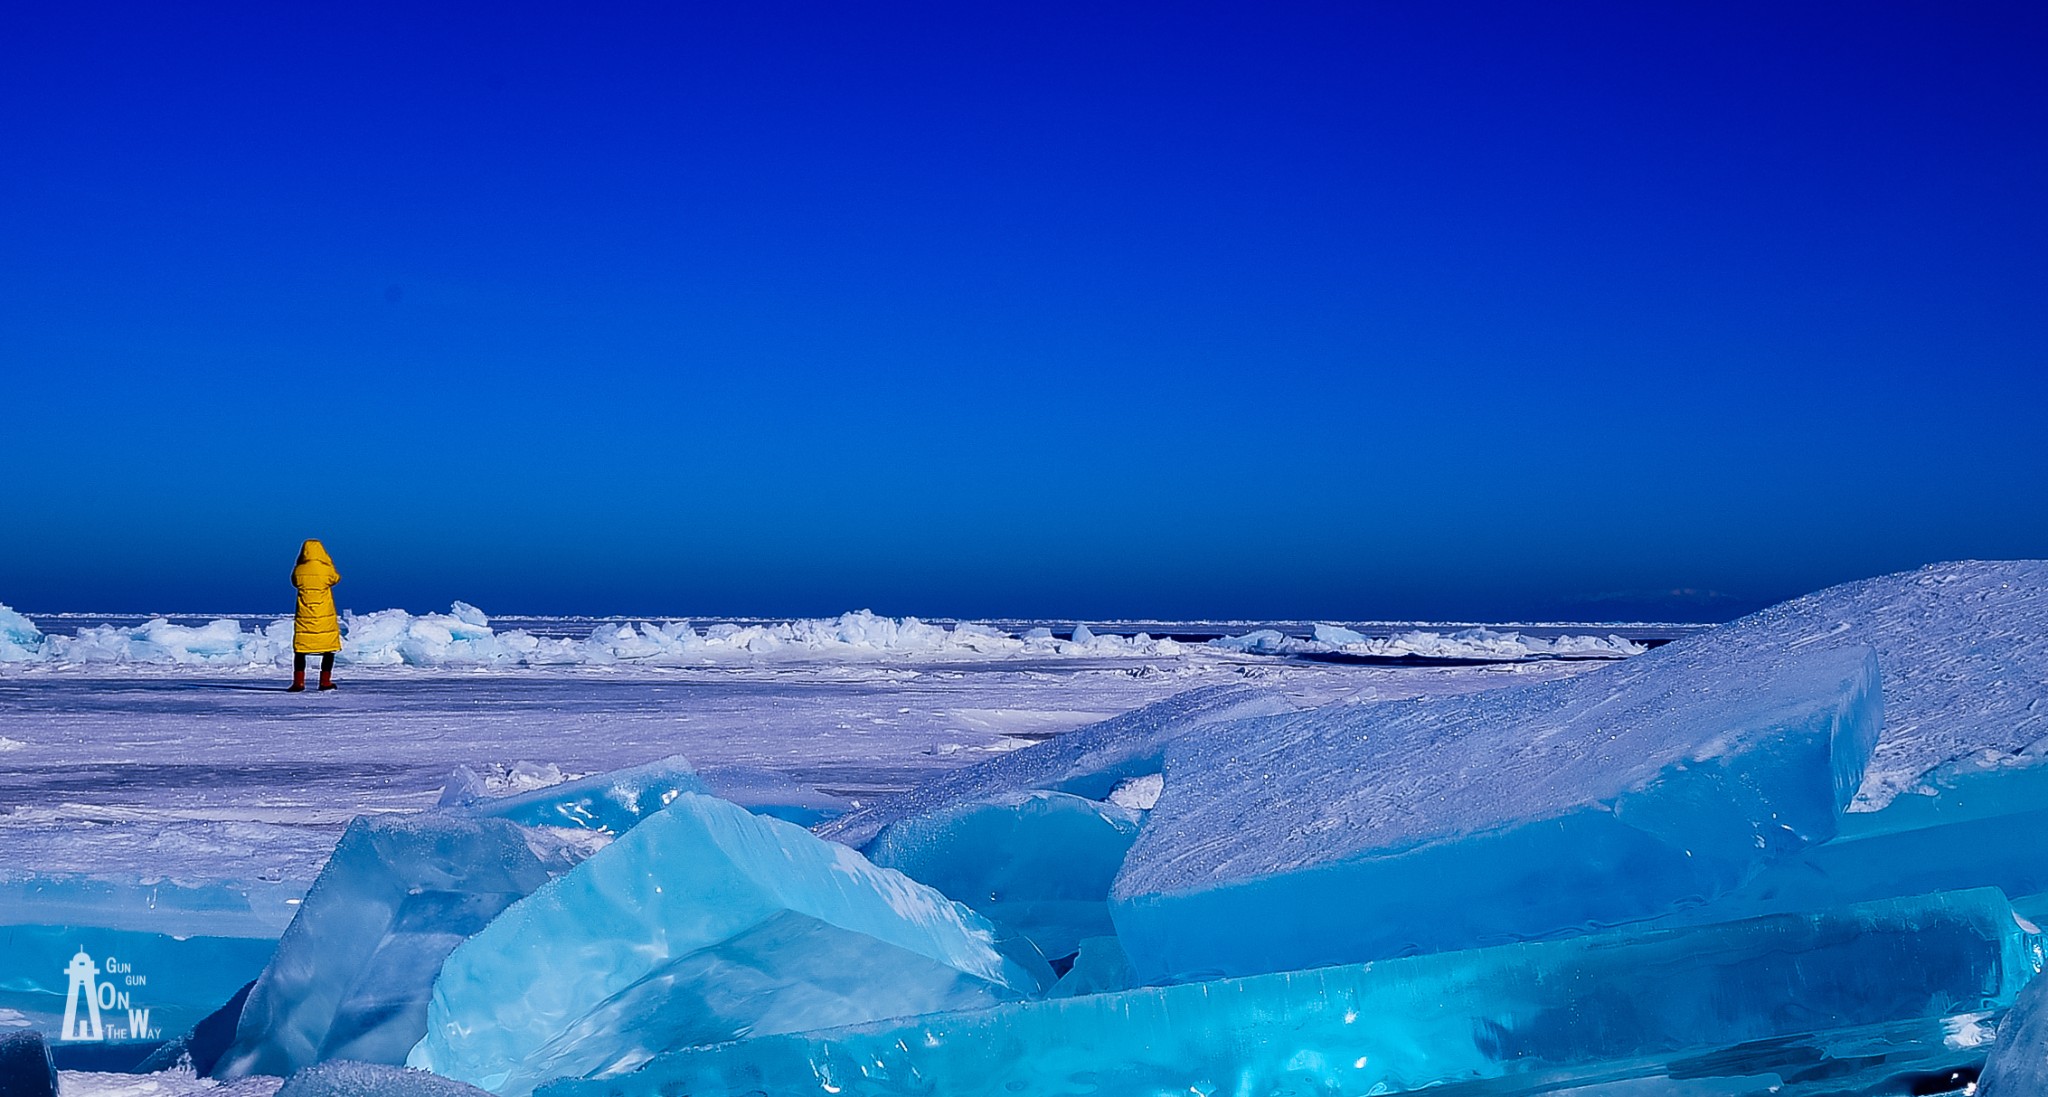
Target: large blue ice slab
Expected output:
[1038,862]
[1776,986]
[351,976]
[1087,761]
[1964,647]
[1354,832]
[1958,765]
[1955,831]
[702,924]
[612,803]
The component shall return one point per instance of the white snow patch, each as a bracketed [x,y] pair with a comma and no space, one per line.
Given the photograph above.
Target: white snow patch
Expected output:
[1139,793]
[1967,1030]
[169,1083]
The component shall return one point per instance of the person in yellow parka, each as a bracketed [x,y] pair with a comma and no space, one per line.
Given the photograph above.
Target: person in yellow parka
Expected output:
[315,630]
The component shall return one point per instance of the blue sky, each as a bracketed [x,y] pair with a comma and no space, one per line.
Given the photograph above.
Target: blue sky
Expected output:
[1327,310]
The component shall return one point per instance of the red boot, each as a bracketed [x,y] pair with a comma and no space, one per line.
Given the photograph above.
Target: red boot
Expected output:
[298,681]
[326,679]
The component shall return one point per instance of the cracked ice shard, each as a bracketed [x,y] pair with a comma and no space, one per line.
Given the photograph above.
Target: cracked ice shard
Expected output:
[351,975]
[701,924]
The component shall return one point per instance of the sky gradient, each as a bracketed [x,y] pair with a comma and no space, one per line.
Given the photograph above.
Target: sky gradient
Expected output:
[1309,310]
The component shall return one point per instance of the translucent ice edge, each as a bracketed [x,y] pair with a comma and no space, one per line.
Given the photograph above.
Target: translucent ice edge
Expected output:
[464,637]
[1515,1012]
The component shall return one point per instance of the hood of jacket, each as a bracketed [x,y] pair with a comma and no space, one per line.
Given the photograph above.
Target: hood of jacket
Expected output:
[313,552]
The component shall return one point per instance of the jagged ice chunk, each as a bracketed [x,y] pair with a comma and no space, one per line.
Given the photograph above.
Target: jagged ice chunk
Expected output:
[351,975]
[702,924]
[1038,862]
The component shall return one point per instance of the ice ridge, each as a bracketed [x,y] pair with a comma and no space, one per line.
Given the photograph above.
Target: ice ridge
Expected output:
[1471,643]
[1964,647]
[464,637]
[1353,832]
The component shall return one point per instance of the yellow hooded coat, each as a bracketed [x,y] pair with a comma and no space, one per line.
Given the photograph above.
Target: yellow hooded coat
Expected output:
[316,629]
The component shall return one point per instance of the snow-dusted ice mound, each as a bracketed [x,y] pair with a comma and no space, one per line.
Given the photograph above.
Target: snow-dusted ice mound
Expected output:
[1354,832]
[1964,649]
[1779,989]
[1412,801]
[701,924]
[1090,761]
[1039,863]
[1955,774]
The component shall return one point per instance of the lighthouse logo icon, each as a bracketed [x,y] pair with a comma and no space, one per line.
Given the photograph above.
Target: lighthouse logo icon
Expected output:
[84,985]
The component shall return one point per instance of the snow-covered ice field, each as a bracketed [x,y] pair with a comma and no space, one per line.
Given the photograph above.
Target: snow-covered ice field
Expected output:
[193,772]
[148,755]
[154,760]
[1313,857]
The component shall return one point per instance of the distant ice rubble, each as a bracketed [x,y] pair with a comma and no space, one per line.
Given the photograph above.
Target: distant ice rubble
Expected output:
[20,639]
[463,637]
[1471,643]
[1793,855]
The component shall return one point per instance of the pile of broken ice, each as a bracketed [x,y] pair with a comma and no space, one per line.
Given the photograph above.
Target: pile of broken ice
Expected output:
[465,637]
[1797,854]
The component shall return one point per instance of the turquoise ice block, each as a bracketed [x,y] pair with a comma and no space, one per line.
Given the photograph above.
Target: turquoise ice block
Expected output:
[1773,988]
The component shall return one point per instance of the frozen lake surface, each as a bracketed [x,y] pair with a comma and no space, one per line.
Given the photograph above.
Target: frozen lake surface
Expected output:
[147,773]
[193,773]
